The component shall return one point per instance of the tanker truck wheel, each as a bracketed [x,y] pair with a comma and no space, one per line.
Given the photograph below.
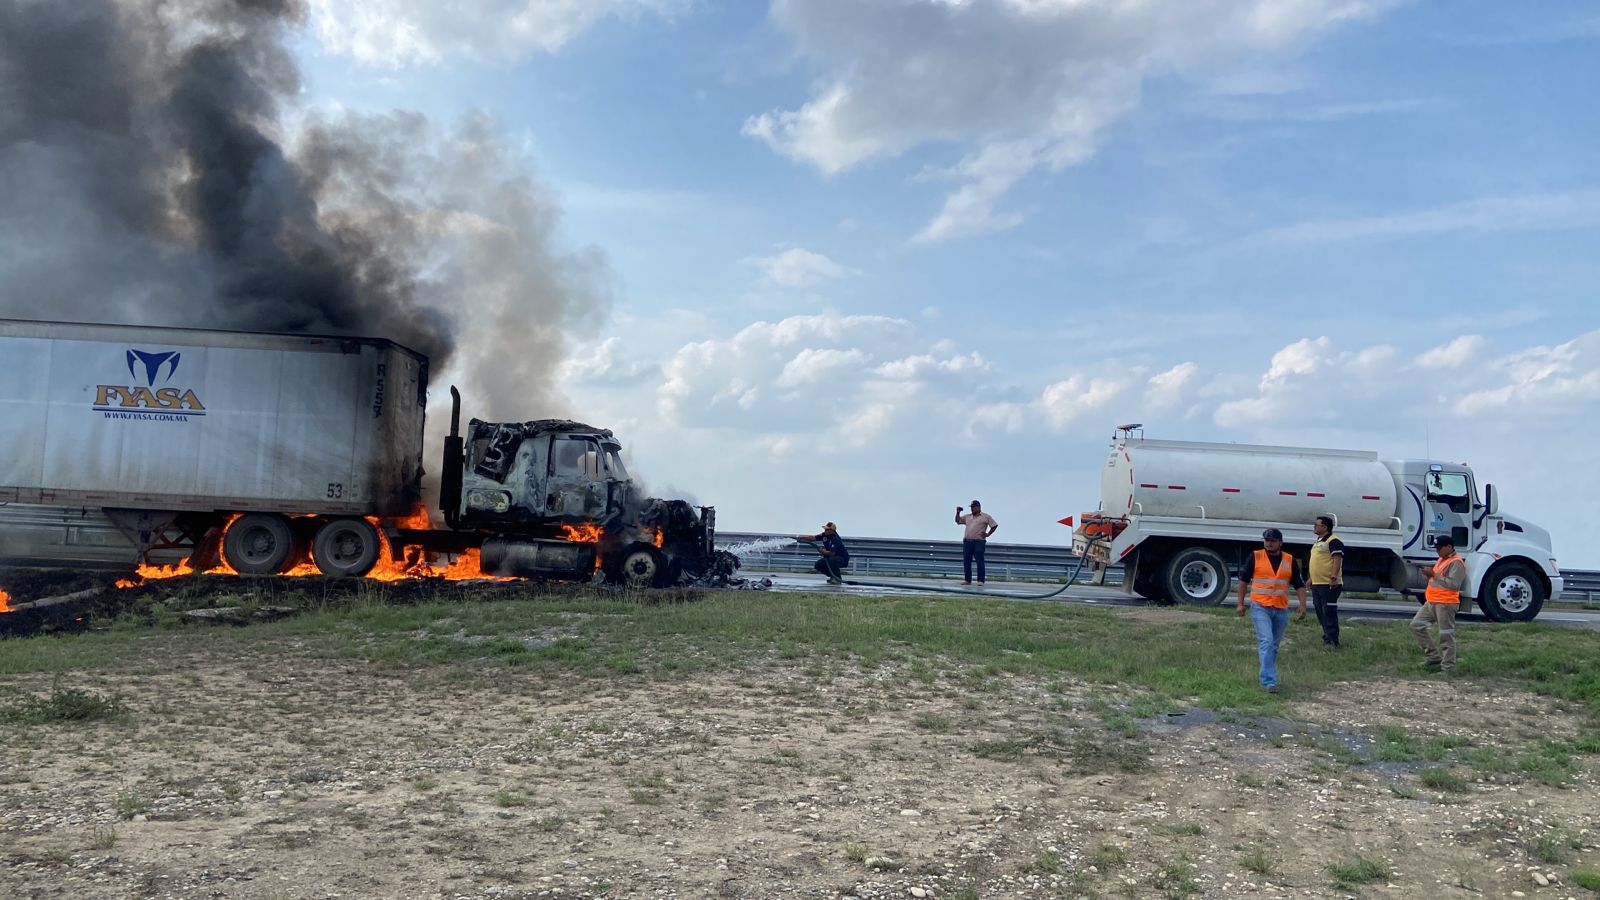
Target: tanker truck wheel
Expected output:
[1148,586]
[346,548]
[1512,593]
[643,566]
[259,544]
[1197,575]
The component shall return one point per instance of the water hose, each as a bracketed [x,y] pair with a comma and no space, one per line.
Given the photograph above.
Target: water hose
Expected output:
[967,592]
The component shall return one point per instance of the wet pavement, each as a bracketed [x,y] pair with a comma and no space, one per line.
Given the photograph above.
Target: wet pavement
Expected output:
[1091,595]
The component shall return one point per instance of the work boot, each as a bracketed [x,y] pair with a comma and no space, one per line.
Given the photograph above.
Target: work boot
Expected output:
[1431,665]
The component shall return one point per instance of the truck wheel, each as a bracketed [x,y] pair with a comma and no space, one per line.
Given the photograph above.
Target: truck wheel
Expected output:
[1147,585]
[1197,575]
[643,567]
[346,548]
[259,544]
[1513,592]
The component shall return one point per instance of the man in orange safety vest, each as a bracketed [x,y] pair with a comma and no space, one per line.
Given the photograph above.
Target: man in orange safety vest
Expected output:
[1446,578]
[1267,577]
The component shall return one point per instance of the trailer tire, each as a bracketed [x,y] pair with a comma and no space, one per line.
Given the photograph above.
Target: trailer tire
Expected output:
[346,548]
[1512,592]
[259,544]
[1197,575]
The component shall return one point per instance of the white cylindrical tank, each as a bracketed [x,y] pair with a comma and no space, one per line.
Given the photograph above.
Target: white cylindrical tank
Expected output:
[1243,482]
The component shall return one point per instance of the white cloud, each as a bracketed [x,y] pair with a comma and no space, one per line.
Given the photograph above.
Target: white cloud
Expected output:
[1065,402]
[798,267]
[1374,361]
[1462,351]
[888,417]
[986,176]
[1537,211]
[923,364]
[1176,378]
[1024,85]
[1059,404]
[774,375]
[1288,393]
[1303,357]
[1543,383]
[396,32]
[1375,387]
[812,365]
[1170,389]
[597,361]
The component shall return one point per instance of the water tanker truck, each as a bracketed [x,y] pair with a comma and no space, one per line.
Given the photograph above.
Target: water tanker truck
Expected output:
[270,451]
[1182,517]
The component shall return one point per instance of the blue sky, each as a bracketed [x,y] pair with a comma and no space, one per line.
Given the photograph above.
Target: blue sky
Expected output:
[868,260]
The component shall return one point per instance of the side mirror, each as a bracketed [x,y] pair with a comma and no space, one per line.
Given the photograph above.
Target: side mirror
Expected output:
[1491,499]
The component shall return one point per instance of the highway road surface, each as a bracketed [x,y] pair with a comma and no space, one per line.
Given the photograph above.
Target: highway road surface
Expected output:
[1090,595]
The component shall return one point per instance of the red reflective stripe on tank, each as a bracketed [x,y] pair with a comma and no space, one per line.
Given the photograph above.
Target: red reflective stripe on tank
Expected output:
[1176,487]
[1230,490]
[1315,494]
[1286,493]
[1370,497]
[1149,485]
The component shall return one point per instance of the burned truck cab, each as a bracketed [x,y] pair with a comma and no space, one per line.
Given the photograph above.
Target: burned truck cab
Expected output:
[551,498]
[541,474]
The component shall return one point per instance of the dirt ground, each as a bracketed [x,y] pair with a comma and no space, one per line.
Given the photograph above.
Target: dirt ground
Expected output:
[281,776]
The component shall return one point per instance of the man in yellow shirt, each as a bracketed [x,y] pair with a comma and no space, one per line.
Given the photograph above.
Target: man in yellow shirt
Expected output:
[1327,579]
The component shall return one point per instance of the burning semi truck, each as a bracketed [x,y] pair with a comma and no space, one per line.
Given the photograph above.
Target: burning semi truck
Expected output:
[291,454]
[1183,516]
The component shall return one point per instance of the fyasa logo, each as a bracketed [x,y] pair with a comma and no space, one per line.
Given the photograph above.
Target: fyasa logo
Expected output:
[146,401]
[152,363]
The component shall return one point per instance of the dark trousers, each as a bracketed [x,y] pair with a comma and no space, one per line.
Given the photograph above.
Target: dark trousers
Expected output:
[972,550]
[831,567]
[1326,599]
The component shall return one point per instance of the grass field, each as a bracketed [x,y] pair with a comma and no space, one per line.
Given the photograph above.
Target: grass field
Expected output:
[1204,659]
[773,740]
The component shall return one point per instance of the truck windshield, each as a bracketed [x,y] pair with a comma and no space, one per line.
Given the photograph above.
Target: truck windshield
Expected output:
[614,466]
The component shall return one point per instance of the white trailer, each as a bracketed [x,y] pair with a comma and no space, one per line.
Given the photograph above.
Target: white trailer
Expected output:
[1182,517]
[170,432]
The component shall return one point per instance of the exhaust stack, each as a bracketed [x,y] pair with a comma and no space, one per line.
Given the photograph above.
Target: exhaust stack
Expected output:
[454,462]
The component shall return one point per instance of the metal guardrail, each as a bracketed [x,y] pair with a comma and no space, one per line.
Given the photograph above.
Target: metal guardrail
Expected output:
[1005,562]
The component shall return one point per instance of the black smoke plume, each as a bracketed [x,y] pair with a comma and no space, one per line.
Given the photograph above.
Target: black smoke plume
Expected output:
[148,175]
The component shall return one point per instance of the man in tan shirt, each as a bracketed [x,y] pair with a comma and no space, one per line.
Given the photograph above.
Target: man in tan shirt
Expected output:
[973,542]
[1446,578]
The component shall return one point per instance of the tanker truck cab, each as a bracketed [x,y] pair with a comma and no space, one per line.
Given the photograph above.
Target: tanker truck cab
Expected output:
[1511,569]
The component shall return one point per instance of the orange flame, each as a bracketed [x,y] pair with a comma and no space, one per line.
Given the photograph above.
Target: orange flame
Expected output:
[5,601]
[587,533]
[415,564]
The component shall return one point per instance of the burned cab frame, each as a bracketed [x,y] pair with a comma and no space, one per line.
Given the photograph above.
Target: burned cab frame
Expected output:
[552,498]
